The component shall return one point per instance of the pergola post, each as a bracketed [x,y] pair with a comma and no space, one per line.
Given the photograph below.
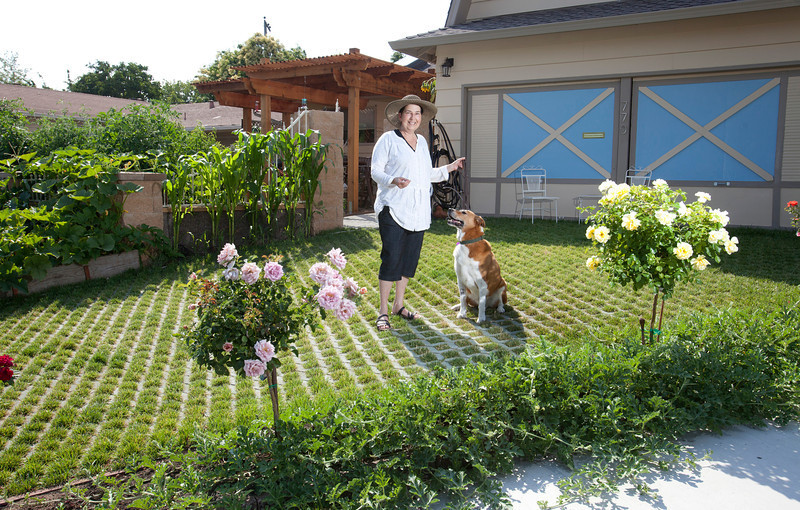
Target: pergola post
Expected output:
[266,113]
[247,120]
[353,95]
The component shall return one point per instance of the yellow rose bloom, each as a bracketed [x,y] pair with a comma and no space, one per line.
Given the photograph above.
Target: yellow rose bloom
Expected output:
[700,262]
[590,232]
[683,251]
[593,262]
[630,221]
[602,234]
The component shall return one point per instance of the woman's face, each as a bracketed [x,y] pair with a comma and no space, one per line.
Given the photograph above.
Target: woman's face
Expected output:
[410,118]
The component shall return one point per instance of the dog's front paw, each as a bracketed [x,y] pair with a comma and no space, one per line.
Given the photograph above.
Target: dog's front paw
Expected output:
[481,318]
[462,314]
[500,308]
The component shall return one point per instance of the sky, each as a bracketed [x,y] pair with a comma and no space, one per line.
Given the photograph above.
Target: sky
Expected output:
[175,38]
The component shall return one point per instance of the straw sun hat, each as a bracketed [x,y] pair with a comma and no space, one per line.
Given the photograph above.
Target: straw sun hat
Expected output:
[393,108]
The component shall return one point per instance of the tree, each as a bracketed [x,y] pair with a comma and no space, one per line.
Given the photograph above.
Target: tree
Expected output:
[396,56]
[14,136]
[182,92]
[11,72]
[125,80]
[251,52]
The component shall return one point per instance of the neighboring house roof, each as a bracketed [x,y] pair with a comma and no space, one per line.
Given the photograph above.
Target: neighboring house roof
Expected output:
[578,17]
[57,103]
[211,115]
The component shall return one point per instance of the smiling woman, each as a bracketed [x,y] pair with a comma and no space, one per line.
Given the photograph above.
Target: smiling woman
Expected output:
[402,168]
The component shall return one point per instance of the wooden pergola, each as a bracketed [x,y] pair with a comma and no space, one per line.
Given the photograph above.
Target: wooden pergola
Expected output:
[349,80]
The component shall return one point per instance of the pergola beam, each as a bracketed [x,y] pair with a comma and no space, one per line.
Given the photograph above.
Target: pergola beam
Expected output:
[296,92]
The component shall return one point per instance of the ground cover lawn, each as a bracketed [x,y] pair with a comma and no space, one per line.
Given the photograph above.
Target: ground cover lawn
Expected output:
[102,377]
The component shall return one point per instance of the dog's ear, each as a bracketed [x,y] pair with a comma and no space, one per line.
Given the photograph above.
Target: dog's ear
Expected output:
[479,221]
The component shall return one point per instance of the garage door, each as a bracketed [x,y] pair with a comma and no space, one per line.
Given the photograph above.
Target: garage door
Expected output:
[568,132]
[707,131]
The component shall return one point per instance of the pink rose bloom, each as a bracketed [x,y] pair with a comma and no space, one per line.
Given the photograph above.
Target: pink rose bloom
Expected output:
[346,309]
[250,273]
[193,276]
[322,273]
[227,347]
[337,259]
[351,286]
[329,297]
[264,350]
[231,273]
[227,254]
[273,271]
[254,368]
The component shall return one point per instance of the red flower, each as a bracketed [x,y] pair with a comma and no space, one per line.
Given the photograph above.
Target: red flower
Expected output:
[6,361]
[6,374]
[793,203]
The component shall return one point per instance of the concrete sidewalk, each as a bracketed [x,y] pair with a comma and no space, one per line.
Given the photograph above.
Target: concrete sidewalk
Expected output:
[749,469]
[365,220]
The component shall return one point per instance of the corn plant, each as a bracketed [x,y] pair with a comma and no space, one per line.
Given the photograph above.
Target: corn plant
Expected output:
[255,156]
[210,192]
[230,174]
[178,190]
[311,161]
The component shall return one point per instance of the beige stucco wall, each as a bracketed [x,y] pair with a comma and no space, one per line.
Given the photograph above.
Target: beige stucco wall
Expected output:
[733,43]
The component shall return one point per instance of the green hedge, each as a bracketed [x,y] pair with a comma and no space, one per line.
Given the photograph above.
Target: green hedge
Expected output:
[621,402]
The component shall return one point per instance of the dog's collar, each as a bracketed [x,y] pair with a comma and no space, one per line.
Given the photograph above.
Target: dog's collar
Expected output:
[470,241]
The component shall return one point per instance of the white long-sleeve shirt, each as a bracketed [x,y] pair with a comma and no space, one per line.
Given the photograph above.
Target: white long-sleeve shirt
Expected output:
[393,157]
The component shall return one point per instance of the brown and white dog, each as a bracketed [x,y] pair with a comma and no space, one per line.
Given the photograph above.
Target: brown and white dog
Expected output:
[477,270]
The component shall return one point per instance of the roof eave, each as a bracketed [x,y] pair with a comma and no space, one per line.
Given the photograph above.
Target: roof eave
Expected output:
[419,46]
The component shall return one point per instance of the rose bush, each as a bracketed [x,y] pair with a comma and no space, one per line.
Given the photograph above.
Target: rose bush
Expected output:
[6,370]
[794,209]
[650,236]
[249,314]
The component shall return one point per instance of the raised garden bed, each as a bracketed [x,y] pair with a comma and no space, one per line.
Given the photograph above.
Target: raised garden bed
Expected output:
[105,266]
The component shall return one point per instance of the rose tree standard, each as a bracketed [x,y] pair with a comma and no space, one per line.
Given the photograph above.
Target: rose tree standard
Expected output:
[649,236]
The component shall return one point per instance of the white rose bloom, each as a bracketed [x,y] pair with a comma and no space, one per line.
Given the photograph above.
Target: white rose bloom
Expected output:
[720,217]
[660,183]
[606,185]
[664,217]
[702,197]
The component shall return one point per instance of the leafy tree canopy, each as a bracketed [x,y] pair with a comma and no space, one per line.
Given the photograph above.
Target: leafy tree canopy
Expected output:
[182,92]
[251,52]
[12,73]
[125,80]
[396,56]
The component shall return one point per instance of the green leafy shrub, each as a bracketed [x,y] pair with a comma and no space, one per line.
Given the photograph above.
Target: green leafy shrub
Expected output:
[77,217]
[15,138]
[618,401]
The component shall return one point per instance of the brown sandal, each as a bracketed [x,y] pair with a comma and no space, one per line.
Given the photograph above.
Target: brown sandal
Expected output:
[409,315]
[382,323]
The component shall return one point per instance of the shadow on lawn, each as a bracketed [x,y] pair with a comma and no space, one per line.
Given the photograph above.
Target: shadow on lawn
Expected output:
[767,254]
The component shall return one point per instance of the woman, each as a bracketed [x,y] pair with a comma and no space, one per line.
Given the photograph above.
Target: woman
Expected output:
[401,165]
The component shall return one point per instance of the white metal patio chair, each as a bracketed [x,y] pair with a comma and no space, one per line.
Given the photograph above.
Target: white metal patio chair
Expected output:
[533,188]
[638,177]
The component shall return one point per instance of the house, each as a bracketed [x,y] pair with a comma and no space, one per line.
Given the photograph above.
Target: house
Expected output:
[703,93]
[47,103]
